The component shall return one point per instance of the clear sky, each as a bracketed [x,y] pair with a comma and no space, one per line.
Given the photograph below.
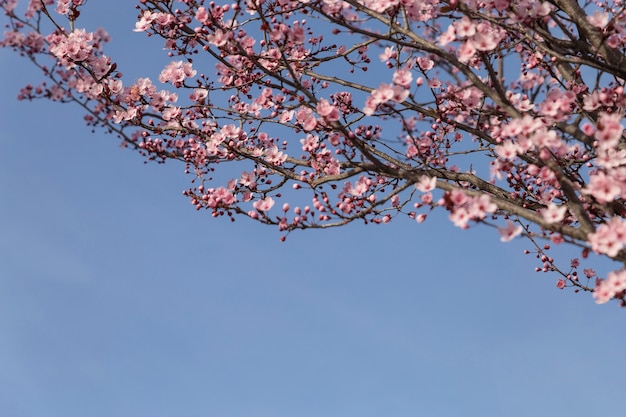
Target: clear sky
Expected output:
[118,299]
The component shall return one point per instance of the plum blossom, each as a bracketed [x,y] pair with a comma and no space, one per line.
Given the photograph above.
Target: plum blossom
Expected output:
[199,94]
[510,231]
[554,213]
[274,156]
[599,19]
[264,205]
[327,111]
[426,183]
[609,238]
[145,21]
[359,188]
[425,64]
[402,77]
[508,150]
[176,72]
[610,130]
[306,118]
[614,284]
[219,198]
[9,5]
[390,53]
[382,95]
[603,188]
[310,143]
[75,47]
[202,15]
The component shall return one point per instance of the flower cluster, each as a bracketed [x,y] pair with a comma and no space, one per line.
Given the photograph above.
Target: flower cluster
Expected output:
[512,115]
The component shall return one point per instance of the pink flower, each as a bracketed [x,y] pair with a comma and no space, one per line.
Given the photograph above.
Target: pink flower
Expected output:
[63,6]
[466,51]
[606,289]
[389,53]
[508,150]
[598,19]
[510,231]
[198,94]
[480,206]
[176,72]
[460,216]
[609,238]
[465,27]
[306,119]
[263,205]
[425,63]
[202,15]
[327,110]
[448,36]
[602,293]
[403,77]
[274,156]
[554,213]
[609,129]
[602,187]
[144,23]
[426,183]
[310,143]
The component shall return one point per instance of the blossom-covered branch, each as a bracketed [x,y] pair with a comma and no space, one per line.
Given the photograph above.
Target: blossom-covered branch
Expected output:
[508,114]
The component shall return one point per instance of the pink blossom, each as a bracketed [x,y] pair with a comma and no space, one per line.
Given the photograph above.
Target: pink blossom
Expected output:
[425,63]
[589,272]
[274,156]
[75,47]
[448,36]
[599,19]
[359,188]
[63,6]
[264,205]
[466,51]
[310,143]
[390,53]
[198,94]
[465,27]
[609,130]
[176,72]
[606,289]
[219,37]
[460,217]
[144,23]
[9,5]
[480,206]
[327,110]
[458,197]
[426,183]
[554,213]
[510,231]
[305,117]
[508,150]
[402,77]
[603,188]
[202,15]
[609,238]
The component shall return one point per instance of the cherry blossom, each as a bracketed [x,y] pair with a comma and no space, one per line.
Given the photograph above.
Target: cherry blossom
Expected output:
[503,114]
[510,231]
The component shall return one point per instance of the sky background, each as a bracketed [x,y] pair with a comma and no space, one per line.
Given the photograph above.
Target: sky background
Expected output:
[118,299]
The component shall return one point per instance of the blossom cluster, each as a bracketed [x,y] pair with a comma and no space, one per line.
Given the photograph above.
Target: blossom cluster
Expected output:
[509,114]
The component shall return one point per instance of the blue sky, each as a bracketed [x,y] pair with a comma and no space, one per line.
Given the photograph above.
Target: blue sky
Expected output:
[118,299]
